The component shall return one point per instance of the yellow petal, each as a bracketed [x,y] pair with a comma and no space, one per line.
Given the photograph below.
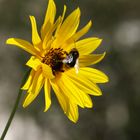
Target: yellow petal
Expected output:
[71,42]
[34,63]
[83,31]
[87,102]
[29,81]
[73,112]
[69,108]
[47,29]
[47,90]
[68,27]
[62,18]
[87,60]
[63,100]
[25,45]
[83,83]
[48,36]
[49,17]
[87,46]
[94,75]
[35,88]
[47,71]
[35,36]
[70,90]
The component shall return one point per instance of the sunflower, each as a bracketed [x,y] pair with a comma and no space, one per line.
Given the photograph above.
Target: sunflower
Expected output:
[60,60]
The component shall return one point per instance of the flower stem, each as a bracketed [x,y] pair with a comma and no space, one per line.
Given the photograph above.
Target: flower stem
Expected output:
[15,107]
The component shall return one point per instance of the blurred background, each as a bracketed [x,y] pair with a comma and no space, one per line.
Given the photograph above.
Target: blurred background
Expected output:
[116,114]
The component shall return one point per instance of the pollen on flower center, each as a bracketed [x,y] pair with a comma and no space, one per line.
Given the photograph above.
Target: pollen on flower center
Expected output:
[54,58]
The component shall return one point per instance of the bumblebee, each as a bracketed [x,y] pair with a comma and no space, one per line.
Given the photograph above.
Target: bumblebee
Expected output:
[72,60]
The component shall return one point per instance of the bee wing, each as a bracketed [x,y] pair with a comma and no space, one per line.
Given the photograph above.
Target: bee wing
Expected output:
[68,59]
[65,61]
[76,66]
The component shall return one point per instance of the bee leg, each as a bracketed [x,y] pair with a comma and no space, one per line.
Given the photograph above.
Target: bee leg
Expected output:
[65,52]
[62,70]
[53,72]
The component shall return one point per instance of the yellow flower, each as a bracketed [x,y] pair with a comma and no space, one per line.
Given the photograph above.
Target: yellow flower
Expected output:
[56,53]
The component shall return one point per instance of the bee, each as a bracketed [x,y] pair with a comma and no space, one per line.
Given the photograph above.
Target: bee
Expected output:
[72,60]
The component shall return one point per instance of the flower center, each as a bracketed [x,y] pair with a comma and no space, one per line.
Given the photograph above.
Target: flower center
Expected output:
[54,58]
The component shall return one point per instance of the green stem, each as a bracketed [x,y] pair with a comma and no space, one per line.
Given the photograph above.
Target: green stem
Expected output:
[15,107]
